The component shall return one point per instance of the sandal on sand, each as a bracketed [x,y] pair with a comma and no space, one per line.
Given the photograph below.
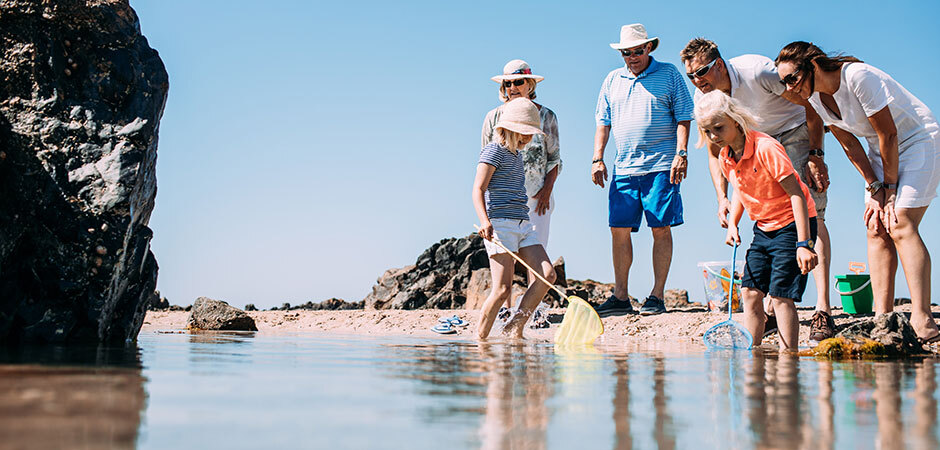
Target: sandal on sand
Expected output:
[454,320]
[444,328]
[932,339]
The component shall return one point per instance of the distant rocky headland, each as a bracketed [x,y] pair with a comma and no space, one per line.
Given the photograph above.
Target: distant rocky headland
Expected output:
[453,274]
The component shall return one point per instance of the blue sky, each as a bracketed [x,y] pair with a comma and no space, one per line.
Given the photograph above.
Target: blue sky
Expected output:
[307,147]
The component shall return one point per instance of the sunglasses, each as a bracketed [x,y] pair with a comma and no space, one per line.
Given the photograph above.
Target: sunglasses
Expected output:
[626,53]
[701,71]
[792,79]
[516,82]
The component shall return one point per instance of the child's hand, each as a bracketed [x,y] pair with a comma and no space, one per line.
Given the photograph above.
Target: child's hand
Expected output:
[732,237]
[806,259]
[486,231]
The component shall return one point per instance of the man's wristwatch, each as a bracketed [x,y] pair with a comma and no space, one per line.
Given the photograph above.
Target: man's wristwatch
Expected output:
[875,186]
[892,186]
[816,152]
[807,244]
[683,153]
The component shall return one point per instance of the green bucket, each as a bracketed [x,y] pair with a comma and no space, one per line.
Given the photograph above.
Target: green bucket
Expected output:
[856,293]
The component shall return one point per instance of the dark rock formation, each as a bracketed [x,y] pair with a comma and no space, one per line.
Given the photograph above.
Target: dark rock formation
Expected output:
[436,280]
[329,305]
[158,302]
[209,314]
[454,273]
[81,97]
[892,330]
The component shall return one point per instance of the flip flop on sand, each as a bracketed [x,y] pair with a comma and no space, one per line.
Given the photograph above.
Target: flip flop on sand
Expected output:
[932,339]
[444,328]
[454,321]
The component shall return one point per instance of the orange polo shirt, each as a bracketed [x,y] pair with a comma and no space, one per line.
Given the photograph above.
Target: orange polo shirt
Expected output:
[757,178]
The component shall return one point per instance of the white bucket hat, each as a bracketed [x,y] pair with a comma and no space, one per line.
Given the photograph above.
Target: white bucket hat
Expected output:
[515,69]
[521,116]
[634,35]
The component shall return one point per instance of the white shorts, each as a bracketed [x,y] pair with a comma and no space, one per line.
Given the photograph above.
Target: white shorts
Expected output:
[541,223]
[918,174]
[513,234]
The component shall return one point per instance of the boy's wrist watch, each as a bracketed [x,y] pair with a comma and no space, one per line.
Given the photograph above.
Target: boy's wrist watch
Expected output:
[806,244]
[874,186]
[683,153]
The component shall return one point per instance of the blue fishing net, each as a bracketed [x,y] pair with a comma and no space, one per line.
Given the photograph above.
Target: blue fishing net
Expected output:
[728,335]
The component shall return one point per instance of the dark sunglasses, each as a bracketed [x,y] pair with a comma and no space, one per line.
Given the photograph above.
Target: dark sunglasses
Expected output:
[626,53]
[701,71]
[792,79]
[516,82]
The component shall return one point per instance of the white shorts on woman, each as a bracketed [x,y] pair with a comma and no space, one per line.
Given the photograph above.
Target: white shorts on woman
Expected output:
[918,173]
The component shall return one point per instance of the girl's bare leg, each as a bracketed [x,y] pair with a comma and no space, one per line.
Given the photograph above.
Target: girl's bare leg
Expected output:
[534,256]
[501,267]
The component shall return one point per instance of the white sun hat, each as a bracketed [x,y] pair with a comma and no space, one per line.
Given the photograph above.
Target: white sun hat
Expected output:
[521,116]
[515,69]
[634,35]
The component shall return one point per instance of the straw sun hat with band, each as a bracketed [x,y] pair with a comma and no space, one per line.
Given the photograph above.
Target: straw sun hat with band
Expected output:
[516,69]
[520,116]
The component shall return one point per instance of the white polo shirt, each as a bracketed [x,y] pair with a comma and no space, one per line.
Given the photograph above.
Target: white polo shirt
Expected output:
[755,83]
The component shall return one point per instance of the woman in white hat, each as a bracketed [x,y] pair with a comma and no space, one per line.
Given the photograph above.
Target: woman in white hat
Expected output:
[901,172]
[541,156]
[499,197]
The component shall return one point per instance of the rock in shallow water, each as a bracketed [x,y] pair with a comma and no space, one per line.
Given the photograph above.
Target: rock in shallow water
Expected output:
[886,335]
[76,198]
[209,314]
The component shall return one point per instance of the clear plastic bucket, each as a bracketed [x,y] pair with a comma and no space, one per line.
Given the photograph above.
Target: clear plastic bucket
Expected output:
[716,282]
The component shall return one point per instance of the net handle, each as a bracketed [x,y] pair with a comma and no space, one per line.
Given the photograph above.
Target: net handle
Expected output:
[734,255]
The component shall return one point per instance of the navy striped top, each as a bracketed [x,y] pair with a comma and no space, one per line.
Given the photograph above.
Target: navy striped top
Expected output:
[505,196]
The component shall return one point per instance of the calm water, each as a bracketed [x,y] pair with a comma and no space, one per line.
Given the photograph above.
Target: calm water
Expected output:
[302,391]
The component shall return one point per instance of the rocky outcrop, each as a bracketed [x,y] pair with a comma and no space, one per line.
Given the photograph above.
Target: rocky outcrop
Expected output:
[209,314]
[331,304]
[892,330]
[81,97]
[455,273]
[438,278]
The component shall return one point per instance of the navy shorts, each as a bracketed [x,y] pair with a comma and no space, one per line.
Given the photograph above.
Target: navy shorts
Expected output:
[632,196]
[771,262]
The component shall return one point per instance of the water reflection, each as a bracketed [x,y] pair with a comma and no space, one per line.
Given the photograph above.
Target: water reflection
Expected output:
[58,397]
[523,395]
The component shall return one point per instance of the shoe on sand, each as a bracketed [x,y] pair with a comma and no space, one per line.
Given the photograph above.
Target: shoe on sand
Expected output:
[614,307]
[653,305]
[821,327]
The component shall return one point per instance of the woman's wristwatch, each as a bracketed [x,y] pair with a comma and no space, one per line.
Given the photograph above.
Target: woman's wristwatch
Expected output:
[874,186]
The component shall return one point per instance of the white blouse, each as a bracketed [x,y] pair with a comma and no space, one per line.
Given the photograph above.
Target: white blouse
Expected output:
[863,91]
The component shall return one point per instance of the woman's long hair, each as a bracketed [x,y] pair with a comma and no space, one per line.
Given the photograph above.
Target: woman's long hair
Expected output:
[803,54]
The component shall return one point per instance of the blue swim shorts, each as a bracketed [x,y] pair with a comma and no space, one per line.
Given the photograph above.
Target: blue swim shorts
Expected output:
[632,196]
[771,263]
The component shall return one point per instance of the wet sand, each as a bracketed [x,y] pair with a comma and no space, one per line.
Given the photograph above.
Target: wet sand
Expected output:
[676,328]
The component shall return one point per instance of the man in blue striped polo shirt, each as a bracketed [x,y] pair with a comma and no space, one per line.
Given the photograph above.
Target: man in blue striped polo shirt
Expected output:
[647,107]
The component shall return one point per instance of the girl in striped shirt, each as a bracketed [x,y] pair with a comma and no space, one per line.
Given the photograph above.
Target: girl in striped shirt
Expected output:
[499,197]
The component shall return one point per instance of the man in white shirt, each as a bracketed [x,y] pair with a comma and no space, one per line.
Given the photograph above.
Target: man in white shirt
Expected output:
[753,80]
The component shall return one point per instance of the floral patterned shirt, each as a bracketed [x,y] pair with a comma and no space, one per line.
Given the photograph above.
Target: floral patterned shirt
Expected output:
[540,156]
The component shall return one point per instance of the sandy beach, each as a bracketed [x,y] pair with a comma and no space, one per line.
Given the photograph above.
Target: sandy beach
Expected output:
[677,328]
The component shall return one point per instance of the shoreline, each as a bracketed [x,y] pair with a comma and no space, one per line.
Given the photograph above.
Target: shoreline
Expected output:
[678,328]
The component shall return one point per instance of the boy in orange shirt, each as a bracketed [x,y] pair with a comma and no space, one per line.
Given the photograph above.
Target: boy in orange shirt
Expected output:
[765,184]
